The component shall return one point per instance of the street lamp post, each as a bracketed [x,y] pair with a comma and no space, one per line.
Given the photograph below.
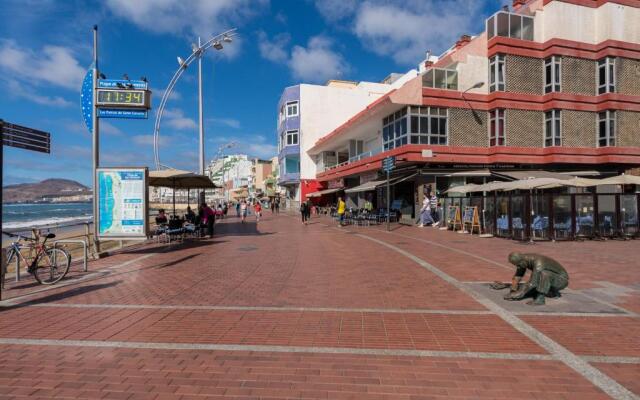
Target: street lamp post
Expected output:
[198,52]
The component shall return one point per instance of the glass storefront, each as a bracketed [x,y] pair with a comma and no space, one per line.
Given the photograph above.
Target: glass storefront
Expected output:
[540,216]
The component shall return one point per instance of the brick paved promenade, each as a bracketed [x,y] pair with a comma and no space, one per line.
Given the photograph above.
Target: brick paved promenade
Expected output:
[289,311]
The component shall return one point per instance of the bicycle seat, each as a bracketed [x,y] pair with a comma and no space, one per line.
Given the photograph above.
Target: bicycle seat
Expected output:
[50,235]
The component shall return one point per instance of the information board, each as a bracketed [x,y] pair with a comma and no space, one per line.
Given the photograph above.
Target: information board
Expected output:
[122,203]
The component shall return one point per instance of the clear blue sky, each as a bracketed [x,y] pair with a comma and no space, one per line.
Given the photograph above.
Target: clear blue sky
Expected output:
[46,48]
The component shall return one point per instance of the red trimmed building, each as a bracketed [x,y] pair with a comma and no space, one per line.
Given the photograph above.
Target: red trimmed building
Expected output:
[550,85]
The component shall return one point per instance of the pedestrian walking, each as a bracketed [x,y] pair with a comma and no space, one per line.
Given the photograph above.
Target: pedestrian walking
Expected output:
[277,206]
[433,202]
[258,211]
[425,212]
[238,209]
[304,207]
[342,207]
[243,210]
[273,206]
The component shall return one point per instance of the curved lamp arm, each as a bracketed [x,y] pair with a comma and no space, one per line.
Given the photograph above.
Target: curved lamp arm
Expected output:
[197,53]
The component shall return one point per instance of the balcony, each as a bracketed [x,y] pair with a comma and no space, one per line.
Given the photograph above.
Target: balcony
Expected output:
[290,178]
[510,25]
[359,157]
[440,78]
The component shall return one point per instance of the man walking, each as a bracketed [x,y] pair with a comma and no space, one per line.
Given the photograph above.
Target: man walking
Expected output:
[304,208]
[342,207]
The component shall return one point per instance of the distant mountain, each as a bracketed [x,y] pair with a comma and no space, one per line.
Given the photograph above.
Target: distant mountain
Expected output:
[47,190]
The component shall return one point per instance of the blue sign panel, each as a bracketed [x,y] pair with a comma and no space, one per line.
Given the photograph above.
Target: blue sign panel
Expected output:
[86,99]
[121,83]
[122,113]
[388,164]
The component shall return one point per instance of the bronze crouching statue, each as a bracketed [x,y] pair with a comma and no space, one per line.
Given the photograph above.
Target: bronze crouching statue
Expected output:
[547,279]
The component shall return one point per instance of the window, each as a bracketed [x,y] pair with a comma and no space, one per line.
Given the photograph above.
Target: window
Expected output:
[607,75]
[394,130]
[552,73]
[607,128]
[429,125]
[496,73]
[292,109]
[552,128]
[511,25]
[439,78]
[497,135]
[292,138]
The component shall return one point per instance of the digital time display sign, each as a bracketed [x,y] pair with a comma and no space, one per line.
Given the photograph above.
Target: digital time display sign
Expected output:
[123,98]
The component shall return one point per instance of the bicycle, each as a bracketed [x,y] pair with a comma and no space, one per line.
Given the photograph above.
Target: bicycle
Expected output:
[49,264]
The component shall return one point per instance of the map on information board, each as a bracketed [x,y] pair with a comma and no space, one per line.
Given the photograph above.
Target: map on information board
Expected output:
[122,202]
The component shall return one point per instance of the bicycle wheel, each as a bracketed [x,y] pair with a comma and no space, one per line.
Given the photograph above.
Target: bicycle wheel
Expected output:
[51,266]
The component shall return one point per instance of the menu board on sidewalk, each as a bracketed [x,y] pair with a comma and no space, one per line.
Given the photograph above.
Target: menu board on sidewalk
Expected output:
[122,203]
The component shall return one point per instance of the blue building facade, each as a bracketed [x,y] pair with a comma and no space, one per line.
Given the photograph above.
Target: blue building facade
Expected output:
[289,141]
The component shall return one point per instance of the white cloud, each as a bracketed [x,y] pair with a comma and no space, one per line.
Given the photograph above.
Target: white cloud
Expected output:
[147,140]
[174,117]
[317,62]
[158,93]
[254,145]
[335,10]
[196,17]
[18,89]
[405,29]
[108,129]
[54,65]
[274,50]
[405,32]
[230,122]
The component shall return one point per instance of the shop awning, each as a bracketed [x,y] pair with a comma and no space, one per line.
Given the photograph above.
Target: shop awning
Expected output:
[533,174]
[621,180]
[323,192]
[477,172]
[371,185]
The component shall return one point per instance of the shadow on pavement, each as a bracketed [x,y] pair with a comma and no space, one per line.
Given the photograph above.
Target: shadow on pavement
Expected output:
[167,247]
[63,295]
[174,262]
[239,229]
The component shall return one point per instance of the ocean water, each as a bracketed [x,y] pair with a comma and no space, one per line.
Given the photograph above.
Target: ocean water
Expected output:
[27,216]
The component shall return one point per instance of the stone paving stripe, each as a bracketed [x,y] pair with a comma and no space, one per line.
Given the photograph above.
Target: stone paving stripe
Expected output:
[273,348]
[612,359]
[570,314]
[592,374]
[319,309]
[260,308]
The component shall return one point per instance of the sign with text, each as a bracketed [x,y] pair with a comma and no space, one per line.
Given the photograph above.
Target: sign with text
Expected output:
[122,203]
[388,164]
[122,84]
[26,138]
[122,113]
